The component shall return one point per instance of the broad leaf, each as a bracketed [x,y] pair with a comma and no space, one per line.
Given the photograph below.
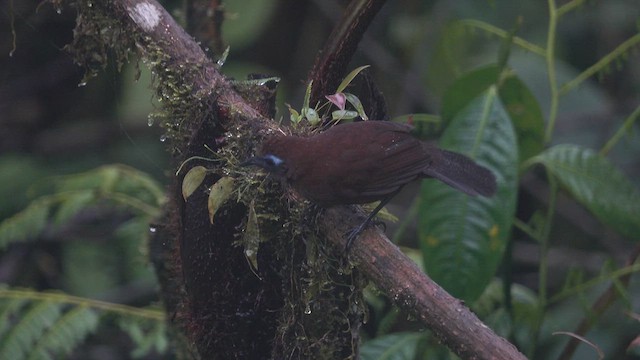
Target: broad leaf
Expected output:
[596,184]
[399,346]
[462,237]
[525,113]
[192,180]
[521,105]
[221,191]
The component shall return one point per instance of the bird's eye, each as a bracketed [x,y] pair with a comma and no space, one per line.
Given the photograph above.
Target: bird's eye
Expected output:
[273,160]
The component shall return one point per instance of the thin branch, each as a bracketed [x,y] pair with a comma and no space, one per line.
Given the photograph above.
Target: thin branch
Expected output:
[551,70]
[330,67]
[623,130]
[61,298]
[160,29]
[491,29]
[601,64]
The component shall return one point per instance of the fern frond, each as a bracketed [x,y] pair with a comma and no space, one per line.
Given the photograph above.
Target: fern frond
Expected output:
[119,184]
[19,341]
[26,224]
[49,325]
[115,179]
[67,333]
[8,309]
[146,336]
[71,204]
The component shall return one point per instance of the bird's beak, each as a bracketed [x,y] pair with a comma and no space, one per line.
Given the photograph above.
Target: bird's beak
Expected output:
[253,161]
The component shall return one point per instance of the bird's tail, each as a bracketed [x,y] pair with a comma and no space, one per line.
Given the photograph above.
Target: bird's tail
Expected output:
[462,173]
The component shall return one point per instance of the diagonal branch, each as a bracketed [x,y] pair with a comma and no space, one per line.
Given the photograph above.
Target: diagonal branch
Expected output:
[409,288]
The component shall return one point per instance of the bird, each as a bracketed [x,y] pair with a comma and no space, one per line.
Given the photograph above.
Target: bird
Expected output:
[363,162]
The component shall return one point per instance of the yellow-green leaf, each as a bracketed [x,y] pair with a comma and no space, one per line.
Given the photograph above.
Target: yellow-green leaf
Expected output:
[192,180]
[349,78]
[220,193]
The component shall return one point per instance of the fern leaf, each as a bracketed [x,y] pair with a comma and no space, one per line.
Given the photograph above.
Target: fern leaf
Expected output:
[67,333]
[19,341]
[8,309]
[72,204]
[26,224]
[146,335]
[111,179]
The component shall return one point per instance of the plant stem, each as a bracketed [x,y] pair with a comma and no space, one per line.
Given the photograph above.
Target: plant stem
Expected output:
[569,6]
[551,69]
[601,64]
[625,128]
[131,311]
[543,266]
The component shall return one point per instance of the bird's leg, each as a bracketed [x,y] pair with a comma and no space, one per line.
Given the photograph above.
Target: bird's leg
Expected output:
[357,231]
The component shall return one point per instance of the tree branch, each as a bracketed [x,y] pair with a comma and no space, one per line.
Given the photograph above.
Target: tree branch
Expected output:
[411,289]
[330,66]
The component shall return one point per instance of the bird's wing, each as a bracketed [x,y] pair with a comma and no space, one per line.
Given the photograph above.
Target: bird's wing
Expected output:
[404,160]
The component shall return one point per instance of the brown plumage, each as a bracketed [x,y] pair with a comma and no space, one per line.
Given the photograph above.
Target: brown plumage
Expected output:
[365,161]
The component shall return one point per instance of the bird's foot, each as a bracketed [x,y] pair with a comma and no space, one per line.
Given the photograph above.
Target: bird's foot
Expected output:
[352,236]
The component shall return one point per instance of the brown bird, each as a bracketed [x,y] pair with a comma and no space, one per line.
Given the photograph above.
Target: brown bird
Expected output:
[366,161]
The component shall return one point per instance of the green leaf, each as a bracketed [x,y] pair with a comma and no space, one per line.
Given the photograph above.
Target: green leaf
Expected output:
[525,112]
[67,333]
[221,191]
[398,346]
[355,102]
[349,78]
[192,180]
[26,224]
[522,106]
[115,179]
[467,88]
[72,203]
[8,307]
[463,238]
[343,115]
[598,185]
[307,97]
[146,336]
[32,324]
[294,115]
